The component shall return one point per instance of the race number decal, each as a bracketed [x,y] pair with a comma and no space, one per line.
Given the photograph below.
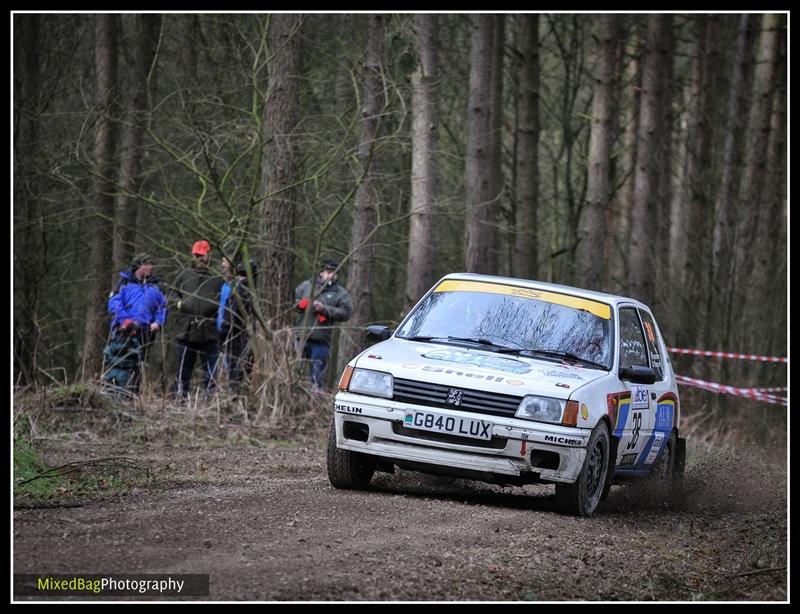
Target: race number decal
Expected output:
[640,397]
[636,427]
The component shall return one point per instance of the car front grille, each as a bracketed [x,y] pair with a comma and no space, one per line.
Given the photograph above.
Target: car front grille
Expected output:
[495,443]
[435,395]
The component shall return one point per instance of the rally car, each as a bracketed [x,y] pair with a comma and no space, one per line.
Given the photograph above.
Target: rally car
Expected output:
[512,382]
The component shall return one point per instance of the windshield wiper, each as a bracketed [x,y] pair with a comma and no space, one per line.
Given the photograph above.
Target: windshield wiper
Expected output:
[486,342]
[501,349]
[567,355]
[418,338]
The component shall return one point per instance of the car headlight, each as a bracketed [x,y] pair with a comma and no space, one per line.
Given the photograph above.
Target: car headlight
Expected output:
[373,383]
[541,409]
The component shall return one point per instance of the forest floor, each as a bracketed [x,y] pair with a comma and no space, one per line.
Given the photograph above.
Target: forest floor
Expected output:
[265,524]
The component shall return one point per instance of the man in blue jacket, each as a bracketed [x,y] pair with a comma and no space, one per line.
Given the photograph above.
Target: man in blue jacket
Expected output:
[138,308]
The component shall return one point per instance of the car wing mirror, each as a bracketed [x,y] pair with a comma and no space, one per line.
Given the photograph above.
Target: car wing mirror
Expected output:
[377,332]
[638,375]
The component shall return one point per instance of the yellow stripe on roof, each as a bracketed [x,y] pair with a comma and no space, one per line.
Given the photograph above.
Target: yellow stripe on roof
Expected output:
[456,285]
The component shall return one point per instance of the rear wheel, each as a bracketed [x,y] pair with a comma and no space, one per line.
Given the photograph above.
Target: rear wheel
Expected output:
[346,469]
[659,486]
[582,497]
[680,458]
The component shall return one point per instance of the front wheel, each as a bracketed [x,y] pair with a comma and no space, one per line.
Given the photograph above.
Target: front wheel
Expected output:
[582,497]
[346,469]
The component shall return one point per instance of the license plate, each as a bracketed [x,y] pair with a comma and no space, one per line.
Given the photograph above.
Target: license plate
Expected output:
[452,425]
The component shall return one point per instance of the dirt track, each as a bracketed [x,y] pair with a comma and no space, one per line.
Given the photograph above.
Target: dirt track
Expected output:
[266,525]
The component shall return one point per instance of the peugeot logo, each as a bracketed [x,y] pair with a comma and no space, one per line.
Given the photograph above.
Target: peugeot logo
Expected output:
[454,396]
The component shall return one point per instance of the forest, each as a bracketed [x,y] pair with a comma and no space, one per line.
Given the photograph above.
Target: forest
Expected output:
[635,154]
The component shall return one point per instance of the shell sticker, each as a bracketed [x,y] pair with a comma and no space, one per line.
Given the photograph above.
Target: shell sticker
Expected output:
[495,363]
[584,412]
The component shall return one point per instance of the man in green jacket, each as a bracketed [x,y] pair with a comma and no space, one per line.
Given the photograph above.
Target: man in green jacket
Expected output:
[328,304]
[194,301]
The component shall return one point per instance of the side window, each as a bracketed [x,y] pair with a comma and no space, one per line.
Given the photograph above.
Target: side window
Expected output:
[653,345]
[632,350]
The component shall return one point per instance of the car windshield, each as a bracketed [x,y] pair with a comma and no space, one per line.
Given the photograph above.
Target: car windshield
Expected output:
[511,319]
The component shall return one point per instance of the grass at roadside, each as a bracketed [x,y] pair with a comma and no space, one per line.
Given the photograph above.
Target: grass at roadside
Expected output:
[36,483]
[82,412]
[28,463]
[79,414]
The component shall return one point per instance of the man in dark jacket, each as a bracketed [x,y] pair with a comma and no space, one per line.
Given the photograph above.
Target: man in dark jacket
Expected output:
[138,309]
[327,304]
[194,297]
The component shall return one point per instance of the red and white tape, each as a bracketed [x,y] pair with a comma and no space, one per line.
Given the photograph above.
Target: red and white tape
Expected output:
[750,393]
[727,355]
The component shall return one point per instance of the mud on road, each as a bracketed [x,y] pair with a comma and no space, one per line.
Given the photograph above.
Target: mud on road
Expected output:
[266,525]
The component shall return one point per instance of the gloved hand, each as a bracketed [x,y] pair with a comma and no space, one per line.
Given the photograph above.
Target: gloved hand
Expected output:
[303,304]
[319,309]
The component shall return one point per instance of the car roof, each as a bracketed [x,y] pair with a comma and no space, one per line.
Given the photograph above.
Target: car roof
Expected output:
[612,299]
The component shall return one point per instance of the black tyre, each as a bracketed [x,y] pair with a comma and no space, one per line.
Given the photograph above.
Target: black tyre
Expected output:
[346,469]
[680,458]
[583,497]
[661,484]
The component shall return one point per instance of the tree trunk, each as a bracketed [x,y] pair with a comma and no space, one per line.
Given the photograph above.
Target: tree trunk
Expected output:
[421,267]
[623,206]
[592,225]
[766,285]
[645,213]
[101,226]
[26,157]
[496,145]
[775,279]
[662,291]
[365,211]
[343,85]
[279,169]
[699,183]
[526,246]
[756,169]
[127,209]
[478,172]
[728,198]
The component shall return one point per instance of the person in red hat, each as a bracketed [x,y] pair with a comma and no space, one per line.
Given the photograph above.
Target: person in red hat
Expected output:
[194,299]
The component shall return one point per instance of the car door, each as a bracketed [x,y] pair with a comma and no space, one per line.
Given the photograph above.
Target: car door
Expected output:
[635,403]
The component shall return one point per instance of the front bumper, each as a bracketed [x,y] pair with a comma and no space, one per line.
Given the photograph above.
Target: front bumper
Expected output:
[517,446]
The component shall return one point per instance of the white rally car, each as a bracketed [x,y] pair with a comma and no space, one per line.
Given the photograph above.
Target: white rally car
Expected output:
[512,382]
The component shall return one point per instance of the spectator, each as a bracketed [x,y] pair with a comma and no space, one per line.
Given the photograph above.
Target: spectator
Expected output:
[329,303]
[195,295]
[138,310]
[234,314]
